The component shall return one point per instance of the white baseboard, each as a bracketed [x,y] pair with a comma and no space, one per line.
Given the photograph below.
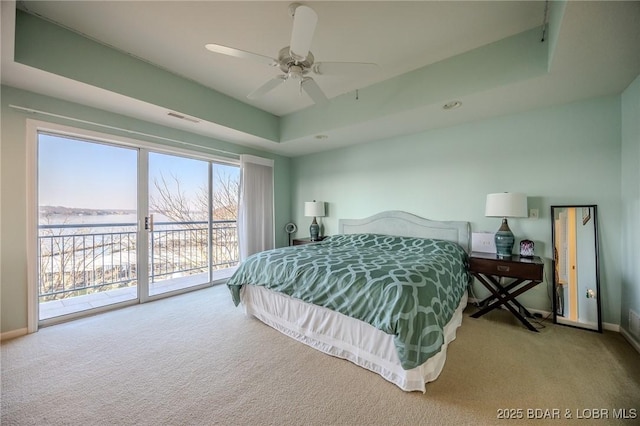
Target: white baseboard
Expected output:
[544,314]
[632,341]
[13,334]
[611,327]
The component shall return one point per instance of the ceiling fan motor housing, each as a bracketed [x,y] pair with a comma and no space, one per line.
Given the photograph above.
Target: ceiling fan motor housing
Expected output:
[286,60]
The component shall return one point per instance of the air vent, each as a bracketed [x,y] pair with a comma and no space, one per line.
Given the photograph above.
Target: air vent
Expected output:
[451,105]
[183,117]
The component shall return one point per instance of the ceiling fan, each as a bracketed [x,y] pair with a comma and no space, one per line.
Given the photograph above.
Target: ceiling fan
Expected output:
[295,60]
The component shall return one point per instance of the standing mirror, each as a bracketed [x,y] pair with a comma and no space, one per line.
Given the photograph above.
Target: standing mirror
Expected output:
[576,280]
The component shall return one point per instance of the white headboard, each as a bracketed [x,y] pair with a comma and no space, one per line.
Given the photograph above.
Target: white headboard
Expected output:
[405,224]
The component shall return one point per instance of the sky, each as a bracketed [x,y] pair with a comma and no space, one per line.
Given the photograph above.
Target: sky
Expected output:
[73,173]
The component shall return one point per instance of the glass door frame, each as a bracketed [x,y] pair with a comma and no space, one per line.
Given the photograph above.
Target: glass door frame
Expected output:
[143,148]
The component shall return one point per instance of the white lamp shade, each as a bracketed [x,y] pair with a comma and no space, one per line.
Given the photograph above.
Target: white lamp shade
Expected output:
[506,204]
[314,208]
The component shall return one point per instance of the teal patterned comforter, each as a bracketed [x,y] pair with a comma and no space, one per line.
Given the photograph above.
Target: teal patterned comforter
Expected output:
[407,287]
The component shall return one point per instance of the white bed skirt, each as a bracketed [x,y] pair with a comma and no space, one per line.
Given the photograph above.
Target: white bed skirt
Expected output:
[344,337]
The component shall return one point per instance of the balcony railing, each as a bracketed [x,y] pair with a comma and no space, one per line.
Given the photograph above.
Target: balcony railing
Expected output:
[78,259]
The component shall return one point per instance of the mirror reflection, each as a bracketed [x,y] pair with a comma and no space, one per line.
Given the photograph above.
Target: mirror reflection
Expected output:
[576,280]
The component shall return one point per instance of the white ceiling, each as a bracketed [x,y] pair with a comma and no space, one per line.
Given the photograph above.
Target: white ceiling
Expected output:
[597,53]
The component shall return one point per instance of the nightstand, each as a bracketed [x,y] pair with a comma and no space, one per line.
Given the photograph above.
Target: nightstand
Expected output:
[527,272]
[301,241]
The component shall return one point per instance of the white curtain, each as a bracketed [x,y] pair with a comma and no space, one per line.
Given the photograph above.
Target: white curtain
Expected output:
[256,230]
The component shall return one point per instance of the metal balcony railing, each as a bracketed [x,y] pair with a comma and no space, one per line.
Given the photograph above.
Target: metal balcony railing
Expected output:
[78,259]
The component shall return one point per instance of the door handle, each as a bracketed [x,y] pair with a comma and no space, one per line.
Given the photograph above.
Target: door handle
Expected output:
[502,268]
[148,223]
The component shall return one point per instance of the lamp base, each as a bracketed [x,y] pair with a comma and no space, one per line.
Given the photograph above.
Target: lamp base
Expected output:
[314,230]
[504,240]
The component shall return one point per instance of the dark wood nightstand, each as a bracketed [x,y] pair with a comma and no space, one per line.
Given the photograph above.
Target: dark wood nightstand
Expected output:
[527,273]
[301,241]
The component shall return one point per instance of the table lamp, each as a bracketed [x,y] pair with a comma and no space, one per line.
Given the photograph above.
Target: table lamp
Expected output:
[504,205]
[314,209]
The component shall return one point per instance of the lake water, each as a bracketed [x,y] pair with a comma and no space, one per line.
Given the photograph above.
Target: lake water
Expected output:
[130,219]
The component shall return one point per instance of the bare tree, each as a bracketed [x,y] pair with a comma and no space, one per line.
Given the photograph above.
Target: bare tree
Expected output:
[225,197]
[173,202]
[75,261]
[190,214]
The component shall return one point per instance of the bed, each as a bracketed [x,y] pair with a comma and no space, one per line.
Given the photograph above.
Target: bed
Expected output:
[386,293]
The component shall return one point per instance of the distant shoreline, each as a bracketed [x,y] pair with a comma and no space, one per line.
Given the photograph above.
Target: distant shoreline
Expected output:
[75,211]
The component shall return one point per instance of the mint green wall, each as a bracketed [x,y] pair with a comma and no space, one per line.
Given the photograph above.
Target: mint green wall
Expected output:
[630,202]
[562,155]
[13,273]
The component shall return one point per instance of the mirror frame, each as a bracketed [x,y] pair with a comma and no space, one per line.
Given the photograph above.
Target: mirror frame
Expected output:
[597,264]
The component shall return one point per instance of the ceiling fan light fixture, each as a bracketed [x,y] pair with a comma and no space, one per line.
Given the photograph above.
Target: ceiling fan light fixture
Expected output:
[295,72]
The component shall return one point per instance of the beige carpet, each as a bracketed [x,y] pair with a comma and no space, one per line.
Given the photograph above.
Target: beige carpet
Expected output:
[195,359]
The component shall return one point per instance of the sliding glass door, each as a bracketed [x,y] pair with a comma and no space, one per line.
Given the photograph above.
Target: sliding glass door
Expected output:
[122,224]
[179,206]
[87,224]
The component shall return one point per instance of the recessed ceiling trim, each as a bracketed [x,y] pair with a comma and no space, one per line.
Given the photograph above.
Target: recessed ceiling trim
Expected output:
[120,129]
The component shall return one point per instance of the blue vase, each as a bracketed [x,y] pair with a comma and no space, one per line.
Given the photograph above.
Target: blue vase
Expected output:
[504,240]
[314,230]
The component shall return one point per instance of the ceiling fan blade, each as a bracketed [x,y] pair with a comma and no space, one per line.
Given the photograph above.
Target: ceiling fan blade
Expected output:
[313,90]
[237,53]
[267,87]
[304,25]
[341,68]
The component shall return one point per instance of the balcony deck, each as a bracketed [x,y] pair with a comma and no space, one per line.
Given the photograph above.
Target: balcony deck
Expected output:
[72,305]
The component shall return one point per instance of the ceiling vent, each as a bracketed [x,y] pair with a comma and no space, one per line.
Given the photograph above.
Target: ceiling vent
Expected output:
[183,117]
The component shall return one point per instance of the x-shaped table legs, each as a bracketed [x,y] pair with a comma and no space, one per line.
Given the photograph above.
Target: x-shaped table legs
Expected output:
[505,297]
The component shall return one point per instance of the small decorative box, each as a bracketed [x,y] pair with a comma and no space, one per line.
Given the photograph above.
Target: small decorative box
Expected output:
[526,248]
